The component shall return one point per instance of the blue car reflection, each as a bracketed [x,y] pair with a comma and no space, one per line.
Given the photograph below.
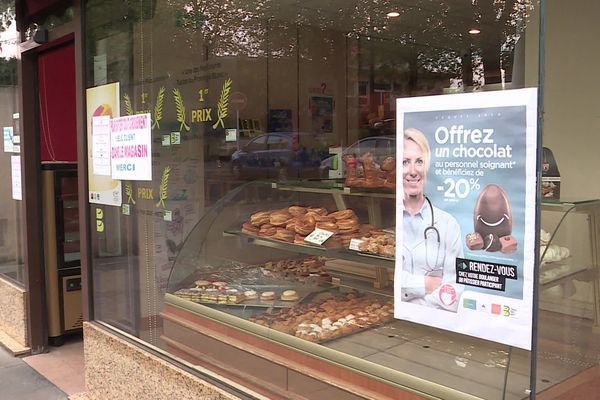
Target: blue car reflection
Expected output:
[278,155]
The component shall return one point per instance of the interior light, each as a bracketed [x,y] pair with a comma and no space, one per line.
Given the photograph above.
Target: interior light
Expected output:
[474,31]
[393,14]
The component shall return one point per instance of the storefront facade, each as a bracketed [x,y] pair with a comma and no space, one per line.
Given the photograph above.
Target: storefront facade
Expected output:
[214,137]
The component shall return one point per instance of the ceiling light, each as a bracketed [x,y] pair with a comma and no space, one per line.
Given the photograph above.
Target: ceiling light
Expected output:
[474,31]
[393,14]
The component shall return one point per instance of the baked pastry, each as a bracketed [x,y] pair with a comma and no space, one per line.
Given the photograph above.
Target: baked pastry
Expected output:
[350,224]
[279,218]
[259,218]
[267,230]
[305,225]
[284,234]
[317,210]
[323,218]
[201,283]
[250,295]
[291,225]
[289,295]
[343,214]
[250,229]
[299,239]
[267,296]
[328,226]
[297,211]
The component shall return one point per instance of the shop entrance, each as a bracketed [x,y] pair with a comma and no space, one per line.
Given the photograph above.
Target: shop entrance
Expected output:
[58,158]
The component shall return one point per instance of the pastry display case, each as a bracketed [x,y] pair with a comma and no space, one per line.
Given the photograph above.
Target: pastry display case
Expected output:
[570,258]
[260,264]
[249,267]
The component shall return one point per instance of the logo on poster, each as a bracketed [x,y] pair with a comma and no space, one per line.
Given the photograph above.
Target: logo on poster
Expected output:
[496,308]
[447,295]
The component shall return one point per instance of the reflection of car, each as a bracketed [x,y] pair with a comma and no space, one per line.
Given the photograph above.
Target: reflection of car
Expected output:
[277,155]
[380,146]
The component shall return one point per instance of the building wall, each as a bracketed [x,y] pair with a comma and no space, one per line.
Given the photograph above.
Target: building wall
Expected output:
[116,369]
[13,312]
[572,113]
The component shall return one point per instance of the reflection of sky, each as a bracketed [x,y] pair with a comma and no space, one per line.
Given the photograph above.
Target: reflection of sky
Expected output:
[8,42]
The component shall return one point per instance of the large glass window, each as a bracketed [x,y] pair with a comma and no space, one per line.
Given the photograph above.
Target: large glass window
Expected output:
[250,101]
[11,218]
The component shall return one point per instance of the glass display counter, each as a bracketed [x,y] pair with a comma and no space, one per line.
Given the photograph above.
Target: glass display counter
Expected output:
[246,277]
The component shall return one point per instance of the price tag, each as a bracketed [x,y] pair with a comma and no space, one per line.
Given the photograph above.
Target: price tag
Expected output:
[166,140]
[168,216]
[318,236]
[354,243]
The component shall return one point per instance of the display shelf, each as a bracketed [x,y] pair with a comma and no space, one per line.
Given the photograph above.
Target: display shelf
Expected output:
[333,189]
[564,205]
[314,250]
[553,274]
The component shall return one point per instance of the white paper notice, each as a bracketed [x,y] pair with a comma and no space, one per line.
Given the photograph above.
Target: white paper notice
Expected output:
[101,145]
[131,147]
[318,236]
[15,166]
[8,139]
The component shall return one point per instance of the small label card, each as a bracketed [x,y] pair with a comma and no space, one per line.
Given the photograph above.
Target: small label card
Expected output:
[318,236]
[354,243]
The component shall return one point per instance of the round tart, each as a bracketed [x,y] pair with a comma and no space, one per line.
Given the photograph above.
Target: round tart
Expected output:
[200,283]
[251,295]
[289,295]
[267,296]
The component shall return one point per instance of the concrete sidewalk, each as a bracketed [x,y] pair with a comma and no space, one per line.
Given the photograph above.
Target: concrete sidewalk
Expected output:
[18,381]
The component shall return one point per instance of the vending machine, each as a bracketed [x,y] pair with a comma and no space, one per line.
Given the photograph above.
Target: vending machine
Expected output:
[61,250]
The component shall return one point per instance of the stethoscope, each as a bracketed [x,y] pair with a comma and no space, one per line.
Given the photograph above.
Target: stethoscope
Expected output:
[430,231]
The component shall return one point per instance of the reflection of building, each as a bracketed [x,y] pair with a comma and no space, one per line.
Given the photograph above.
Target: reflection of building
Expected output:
[294,67]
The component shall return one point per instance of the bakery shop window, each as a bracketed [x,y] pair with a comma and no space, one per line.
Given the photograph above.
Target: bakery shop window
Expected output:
[272,121]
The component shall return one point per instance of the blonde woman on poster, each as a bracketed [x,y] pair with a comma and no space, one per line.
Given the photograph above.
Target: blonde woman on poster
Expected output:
[432,238]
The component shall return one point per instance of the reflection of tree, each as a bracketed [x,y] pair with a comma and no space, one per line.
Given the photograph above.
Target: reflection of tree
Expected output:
[7,14]
[8,67]
[224,28]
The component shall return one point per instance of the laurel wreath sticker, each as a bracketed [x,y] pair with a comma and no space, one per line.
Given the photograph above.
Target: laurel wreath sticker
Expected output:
[180,110]
[128,107]
[222,104]
[158,108]
[129,193]
[164,185]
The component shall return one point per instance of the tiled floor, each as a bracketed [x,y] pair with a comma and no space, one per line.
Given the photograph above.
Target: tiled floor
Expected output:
[63,366]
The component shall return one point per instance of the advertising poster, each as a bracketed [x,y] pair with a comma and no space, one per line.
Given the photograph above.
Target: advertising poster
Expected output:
[101,101]
[466,213]
[131,141]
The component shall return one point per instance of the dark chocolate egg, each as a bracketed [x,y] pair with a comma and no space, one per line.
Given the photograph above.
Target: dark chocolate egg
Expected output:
[492,214]
[491,242]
